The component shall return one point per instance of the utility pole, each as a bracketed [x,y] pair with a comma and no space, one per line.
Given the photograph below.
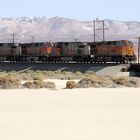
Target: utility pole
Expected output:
[138,50]
[97,21]
[94,30]
[32,44]
[103,30]
[32,39]
[75,39]
[13,35]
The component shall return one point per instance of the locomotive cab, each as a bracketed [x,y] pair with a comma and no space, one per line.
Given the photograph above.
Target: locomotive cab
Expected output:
[131,50]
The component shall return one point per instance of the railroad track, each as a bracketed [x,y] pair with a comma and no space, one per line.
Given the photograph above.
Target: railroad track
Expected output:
[73,67]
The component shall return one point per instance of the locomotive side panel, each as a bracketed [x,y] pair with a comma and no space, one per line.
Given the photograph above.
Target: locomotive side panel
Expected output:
[5,50]
[50,51]
[33,51]
[69,48]
[112,51]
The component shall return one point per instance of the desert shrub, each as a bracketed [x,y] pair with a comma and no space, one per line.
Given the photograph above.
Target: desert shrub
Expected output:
[90,73]
[85,82]
[63,75]
[108,82]
[133,83]
[66,78]
[64,72]
[9,82]
[24,76]
[3,73]
[126,81]
[50,73]
[58,72]
[95,81]
[33,84]
[105,82]
[29,71]
[49,85]
[32,75]
[37,76]
[125,69]
[122,81]
[78,73]
[71,84]
[36,84]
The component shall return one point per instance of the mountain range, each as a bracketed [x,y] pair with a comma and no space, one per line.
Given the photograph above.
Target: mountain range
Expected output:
[38,29]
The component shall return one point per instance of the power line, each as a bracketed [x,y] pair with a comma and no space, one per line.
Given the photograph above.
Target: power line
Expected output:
[95,22]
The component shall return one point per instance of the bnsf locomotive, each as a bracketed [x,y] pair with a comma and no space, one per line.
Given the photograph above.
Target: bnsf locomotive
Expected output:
[122,51]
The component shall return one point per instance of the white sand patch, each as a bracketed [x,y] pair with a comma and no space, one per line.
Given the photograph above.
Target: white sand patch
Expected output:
[77,114]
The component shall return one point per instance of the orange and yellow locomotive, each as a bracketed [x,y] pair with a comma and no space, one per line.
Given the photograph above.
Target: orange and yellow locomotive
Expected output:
[122,51]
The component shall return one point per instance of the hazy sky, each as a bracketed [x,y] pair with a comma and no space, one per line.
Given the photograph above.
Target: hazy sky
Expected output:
[77,9]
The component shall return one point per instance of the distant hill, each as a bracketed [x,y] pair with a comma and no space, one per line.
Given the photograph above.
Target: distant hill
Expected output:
[64,29]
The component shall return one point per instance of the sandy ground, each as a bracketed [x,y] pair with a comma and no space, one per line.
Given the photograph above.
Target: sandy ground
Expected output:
[77,114]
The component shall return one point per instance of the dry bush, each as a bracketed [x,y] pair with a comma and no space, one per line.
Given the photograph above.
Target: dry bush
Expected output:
[121,81]
[50,73]
[36,84]
[108,82]
[29,71]
[3,73]
[49,85]
[71,84]
[41,75]
[134,82]
[33,84]
[90,73]
[126,81]
[64,75]
[24,76]
[85,82]
[78,73]
[126,69]
[9,82]
[95,81]
[37,76]
[32,75]
[105,82]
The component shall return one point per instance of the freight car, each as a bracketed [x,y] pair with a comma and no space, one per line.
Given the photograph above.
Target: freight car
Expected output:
[121,51]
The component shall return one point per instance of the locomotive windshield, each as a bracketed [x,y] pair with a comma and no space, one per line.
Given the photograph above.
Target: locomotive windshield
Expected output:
[130,43]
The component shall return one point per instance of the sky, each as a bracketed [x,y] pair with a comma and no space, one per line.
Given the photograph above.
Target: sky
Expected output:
[125,10]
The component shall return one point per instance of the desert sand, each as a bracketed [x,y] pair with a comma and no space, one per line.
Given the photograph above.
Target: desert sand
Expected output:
[63,114]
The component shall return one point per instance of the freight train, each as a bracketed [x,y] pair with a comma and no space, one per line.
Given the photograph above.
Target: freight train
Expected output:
[122,51]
